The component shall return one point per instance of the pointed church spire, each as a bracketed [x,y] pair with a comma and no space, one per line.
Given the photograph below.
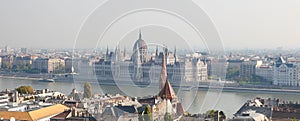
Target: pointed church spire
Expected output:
[175,54]
[163,74]
[116,54]
[124,53]
[166,89]
[166,53]
[140,35]
[175,50]
[106,55]
[107,50]
[156,51]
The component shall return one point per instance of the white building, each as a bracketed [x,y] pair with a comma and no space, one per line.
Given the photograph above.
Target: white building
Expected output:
[286,74]
[4,100]
[265,71]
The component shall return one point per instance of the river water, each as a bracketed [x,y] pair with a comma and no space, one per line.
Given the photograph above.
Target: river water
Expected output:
[194,101]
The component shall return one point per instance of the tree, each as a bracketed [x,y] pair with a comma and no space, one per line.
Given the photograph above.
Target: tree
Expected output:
[87,90]
[211,113]
[147,113]
[25,90]
[214,114]
[168,117]
[232,73]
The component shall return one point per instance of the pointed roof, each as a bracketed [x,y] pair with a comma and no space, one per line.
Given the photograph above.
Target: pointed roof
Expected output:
[156,51]
[166,89]
[107,51]
[124,53]
[163,73]
[140,35]
[168,92]
[175,54]
[281,60]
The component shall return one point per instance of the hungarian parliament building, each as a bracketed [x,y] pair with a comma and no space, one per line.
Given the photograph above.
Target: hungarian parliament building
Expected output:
[143,67]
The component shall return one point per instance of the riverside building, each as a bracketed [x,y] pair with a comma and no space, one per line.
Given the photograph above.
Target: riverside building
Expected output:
[143,68]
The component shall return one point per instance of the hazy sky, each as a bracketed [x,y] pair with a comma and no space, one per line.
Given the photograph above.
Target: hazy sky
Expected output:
[242,24]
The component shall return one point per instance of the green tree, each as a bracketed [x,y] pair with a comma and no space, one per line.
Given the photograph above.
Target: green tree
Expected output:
[147,113]
[87,90]
[211,113]
[168,117]
[232,73]
[214,114]
[25,90]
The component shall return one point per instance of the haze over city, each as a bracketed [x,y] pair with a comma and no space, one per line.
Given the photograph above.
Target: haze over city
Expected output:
[242,24]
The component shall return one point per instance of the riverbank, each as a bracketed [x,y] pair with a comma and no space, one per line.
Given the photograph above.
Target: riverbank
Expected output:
[20,78]
[246,89]
[226,87]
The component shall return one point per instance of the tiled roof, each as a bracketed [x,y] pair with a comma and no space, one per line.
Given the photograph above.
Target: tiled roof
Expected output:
[36,114]
[119,110]
[168,92]
[62,115]
[17,115]
[48,111]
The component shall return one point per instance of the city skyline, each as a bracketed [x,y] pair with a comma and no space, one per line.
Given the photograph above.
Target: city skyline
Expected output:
[150,60]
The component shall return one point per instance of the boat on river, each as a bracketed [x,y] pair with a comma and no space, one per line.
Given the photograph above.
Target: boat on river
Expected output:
[47,80]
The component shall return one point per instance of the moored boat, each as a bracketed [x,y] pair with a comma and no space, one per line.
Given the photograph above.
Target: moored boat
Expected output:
[47,80]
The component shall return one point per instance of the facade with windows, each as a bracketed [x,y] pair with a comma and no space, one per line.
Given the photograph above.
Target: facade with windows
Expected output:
[143,68]
[286,74]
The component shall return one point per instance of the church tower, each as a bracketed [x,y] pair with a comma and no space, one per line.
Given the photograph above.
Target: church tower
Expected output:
[163,73]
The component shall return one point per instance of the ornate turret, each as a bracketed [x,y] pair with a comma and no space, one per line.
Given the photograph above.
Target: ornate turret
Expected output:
[175,54]
[140,35]
[124,53]
[107,53]
[156,51]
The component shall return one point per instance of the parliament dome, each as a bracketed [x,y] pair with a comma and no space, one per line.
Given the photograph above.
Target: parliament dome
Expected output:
[140,43]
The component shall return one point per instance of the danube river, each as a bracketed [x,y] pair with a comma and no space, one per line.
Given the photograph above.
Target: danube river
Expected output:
[194,101]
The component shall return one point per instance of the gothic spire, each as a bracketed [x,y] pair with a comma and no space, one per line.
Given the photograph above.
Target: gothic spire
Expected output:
[116,53]
[163,74]
[107,51]
[166,89]
[156,51]
[140,35]
[175,50]
[124,53]
[175,54]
